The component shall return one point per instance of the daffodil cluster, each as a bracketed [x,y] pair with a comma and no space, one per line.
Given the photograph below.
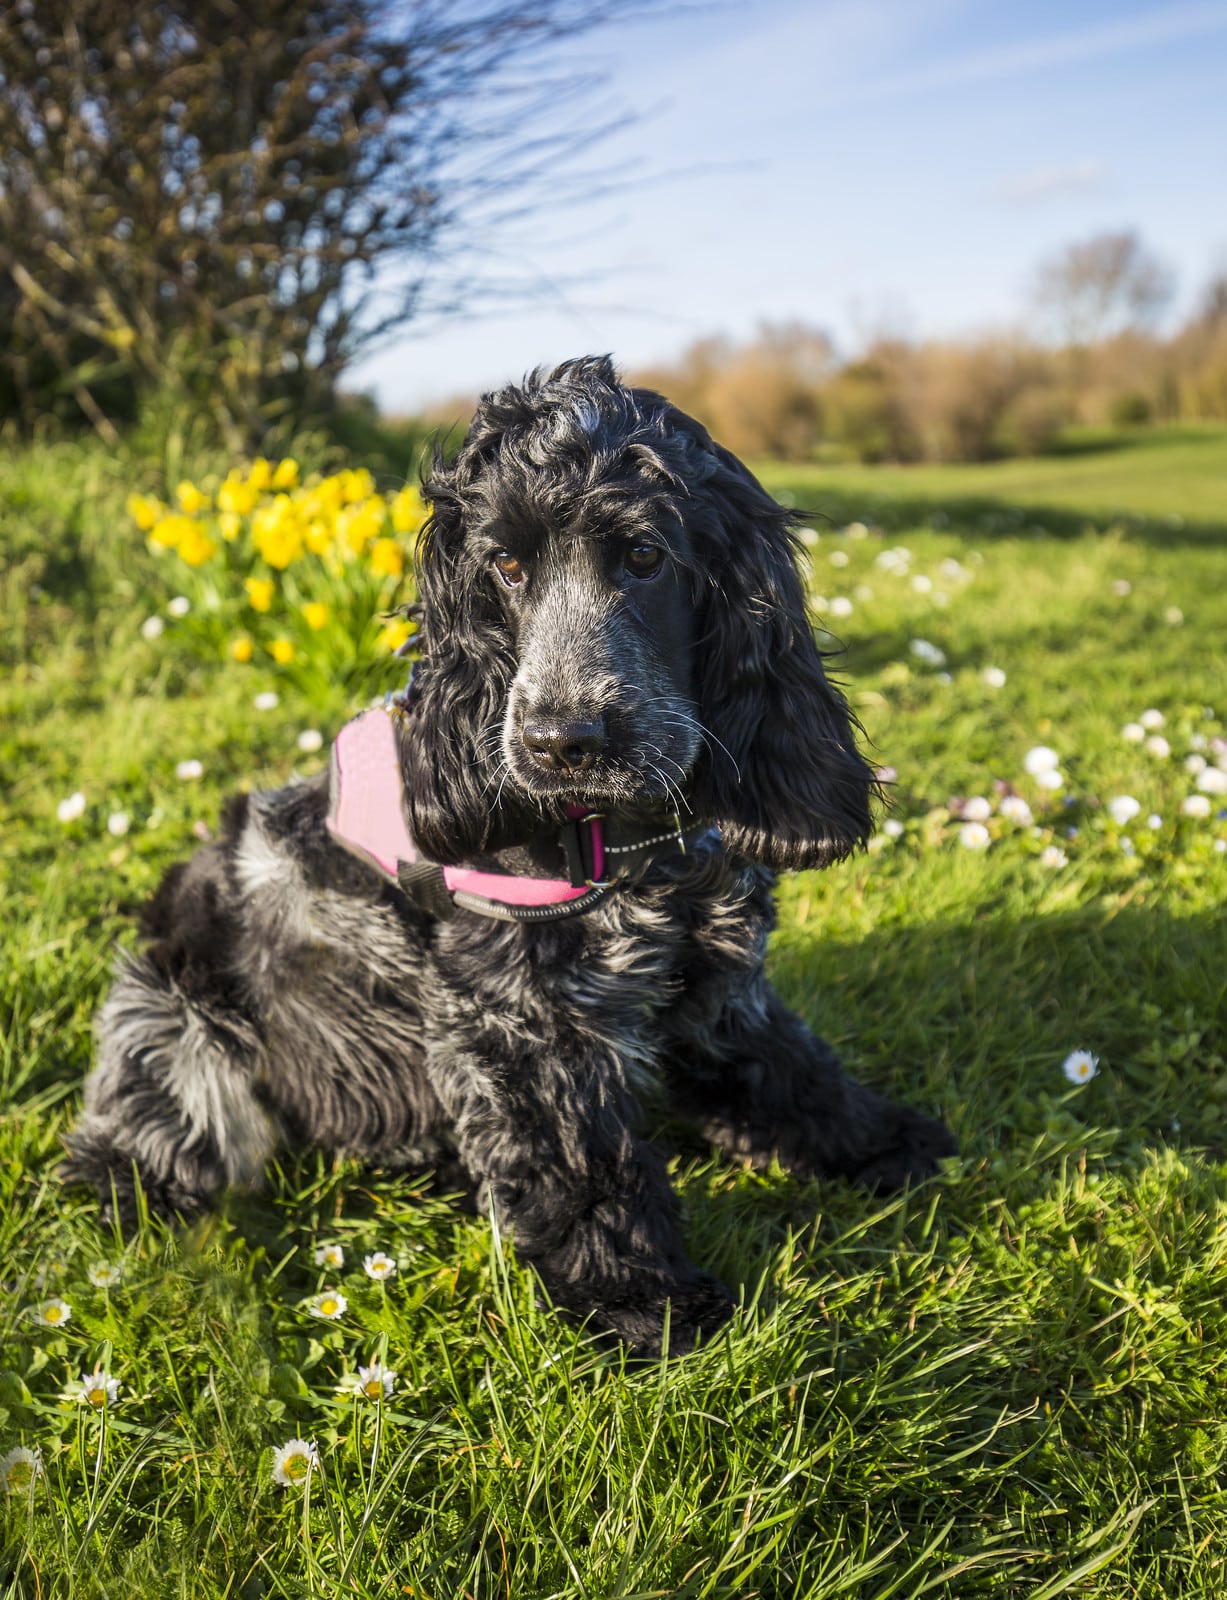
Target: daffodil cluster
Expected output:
[302,577]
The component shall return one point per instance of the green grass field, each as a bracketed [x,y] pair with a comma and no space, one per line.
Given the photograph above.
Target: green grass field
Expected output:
[1013,1382]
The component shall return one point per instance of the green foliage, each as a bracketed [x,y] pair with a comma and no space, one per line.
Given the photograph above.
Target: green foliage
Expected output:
[1008,1384]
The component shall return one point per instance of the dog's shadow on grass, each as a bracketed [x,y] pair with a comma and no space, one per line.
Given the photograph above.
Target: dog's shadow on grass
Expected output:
[970,1020]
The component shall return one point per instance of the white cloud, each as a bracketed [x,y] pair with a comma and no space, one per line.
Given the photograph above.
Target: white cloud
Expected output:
[1165,25]
[1052,183]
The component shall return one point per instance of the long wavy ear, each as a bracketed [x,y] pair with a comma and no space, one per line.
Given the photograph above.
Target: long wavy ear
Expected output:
[449,739]
[781,774]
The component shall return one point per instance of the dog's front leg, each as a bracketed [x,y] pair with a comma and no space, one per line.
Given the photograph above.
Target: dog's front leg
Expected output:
[545,1121]
[760,1085]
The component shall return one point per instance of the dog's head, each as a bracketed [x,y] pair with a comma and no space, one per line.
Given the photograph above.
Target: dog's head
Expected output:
[611,616]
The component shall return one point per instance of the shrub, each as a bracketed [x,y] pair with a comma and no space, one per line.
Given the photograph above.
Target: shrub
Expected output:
[1130,409]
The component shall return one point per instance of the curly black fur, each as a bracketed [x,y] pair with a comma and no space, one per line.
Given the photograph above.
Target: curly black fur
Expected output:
[612,616]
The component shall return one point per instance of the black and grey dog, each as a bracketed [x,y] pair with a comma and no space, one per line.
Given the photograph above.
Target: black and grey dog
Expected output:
[612,624]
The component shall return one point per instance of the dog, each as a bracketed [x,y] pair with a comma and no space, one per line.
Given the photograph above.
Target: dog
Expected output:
[619,697]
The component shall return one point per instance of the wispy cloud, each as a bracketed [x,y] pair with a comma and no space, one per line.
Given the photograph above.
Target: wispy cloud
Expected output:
[1148,30]
[1051,183]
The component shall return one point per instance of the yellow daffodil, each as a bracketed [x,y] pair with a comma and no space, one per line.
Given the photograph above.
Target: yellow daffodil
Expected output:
[355,486]
[277,533]
[357,525]
[231,525]
[318,536]
[195,546]
[144,511]
[169,531]
[235,497]
[260,476]
[286,475]
[190,498]
[315,614]
[283,651]
[387,559]
[408,510]
[260,592]
[393,634]
[241,649]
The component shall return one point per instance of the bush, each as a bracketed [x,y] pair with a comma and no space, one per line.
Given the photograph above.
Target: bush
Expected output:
[1130,410]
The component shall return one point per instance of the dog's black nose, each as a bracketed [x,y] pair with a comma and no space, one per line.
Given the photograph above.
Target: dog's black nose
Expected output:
[564,746]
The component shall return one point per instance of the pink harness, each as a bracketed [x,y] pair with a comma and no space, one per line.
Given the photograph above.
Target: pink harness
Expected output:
[366,815]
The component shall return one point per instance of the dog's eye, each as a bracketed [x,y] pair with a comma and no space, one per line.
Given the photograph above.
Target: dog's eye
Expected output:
[509,569]
[643,560]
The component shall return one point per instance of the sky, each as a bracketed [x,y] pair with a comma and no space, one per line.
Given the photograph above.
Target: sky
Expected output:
[862,166]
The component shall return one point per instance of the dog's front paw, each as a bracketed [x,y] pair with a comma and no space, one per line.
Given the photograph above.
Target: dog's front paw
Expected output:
[637,1313]
[916,1146]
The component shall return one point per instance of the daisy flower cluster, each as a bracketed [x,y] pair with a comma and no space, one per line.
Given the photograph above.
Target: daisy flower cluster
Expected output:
[281,572]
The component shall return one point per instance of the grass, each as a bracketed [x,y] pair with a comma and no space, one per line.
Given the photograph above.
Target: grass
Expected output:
[1009,1383]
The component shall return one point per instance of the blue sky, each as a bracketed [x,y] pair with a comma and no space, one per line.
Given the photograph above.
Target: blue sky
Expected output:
[860,165]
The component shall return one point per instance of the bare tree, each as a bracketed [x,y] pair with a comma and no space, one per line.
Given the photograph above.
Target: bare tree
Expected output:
[1102,286]
[239,197]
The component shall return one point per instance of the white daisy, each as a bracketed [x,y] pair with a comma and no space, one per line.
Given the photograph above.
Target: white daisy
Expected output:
[179,606]
[1198,741]
[267,700]
[330,1255]
[819,602]
[892,828]
[950,568]
[944,677]
[310,740]
[378,1266]
[294,1462]
[808,536]
[118,823]
[103,1275]
[1196,805]
[1212,781]
[1134,732]
[974,836]
[924,650]
[1050,778]
[1053,857]
[856,530]
[1173,616]
[329,1304]
[1015,809]
[1152,719]
[839,558]
[994,677]
[977,809]
[1154,822]
[1080,1066]
[374,1382]
[98,1389]
[1040,758]
[19,1470]
[1194,764]
[1122,808]
[1158,746]
[922,584]
[1122,587]
[53,1313]
[72,808]
[841,606]
[188,771]
[152,628]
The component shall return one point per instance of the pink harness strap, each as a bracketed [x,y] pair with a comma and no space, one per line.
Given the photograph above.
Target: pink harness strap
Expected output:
[366,815]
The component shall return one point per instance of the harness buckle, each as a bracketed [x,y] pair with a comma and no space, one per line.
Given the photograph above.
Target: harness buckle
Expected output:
[579,848]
